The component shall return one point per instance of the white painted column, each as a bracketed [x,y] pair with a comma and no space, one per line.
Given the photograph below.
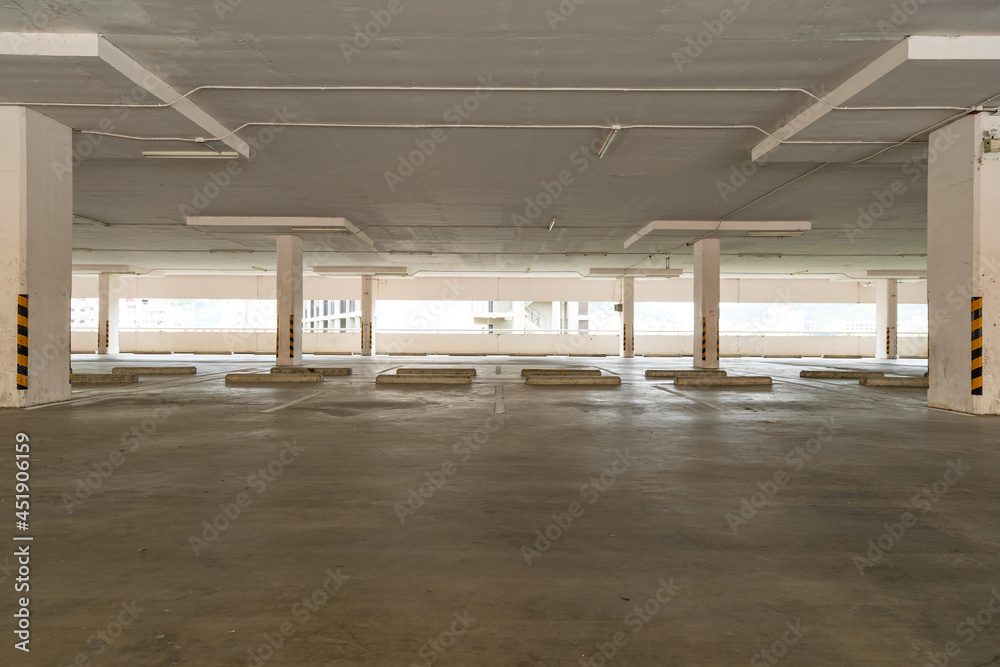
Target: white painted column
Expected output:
[627,346]
[108,296]
[706,303]
[963,267]
[289,291]
[886,308]
[36,232]
[369,289]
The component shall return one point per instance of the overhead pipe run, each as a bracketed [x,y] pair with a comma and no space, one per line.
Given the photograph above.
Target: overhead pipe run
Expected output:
[480,126]
[508,89]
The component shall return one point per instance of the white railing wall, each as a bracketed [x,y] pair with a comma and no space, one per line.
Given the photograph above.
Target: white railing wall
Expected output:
[502,342]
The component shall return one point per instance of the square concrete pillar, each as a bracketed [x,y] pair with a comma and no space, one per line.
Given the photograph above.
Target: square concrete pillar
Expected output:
[109,288]
[628,318]
[886,309]
[289,290]
[36,232]
[369,294]
[963,267]
[706,303]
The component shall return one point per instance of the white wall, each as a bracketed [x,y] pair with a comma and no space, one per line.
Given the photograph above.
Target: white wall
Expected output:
[495,343]
[734,290]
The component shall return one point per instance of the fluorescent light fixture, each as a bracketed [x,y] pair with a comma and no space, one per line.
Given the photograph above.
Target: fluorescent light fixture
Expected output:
[789,233]
[242,224]
[362,270]
[223,155]
[90,221]
[213,252]
[104,268]
[897,273]
[615,129]
[325,230]
[552,223]
[635,273]
[758,255]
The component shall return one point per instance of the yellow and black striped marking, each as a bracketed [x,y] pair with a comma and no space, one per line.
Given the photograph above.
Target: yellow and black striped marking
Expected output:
[977,346]
[291,336]
[704,339]
[888,339]
[107,334]
[22,341]
[366,335]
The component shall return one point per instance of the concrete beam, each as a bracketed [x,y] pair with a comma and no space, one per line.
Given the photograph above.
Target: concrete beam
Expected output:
[93,45]
[918,47]
[774,226]
[138,74]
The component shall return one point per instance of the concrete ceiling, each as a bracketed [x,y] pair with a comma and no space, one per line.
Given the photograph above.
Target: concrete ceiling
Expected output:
[458,205]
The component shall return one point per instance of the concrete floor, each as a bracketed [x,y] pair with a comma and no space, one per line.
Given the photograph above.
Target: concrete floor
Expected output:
[450,584]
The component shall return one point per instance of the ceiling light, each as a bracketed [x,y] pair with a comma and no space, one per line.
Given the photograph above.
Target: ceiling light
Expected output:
[633,273]
[325,230]
[897,273]
[761,233]
[90,221]
[757,255]
[362,270]
[224,155]
[608,140]
[552,223]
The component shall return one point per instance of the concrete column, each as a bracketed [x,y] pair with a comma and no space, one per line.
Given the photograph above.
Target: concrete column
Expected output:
[108,296]
[628,318]
[886,306]
[963,267]
[706,303]
[36,232]
[289,291]
[369,294]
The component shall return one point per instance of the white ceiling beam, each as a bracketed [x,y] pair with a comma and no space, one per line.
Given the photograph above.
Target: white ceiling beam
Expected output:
[276,223]
[868,75]
[720,226]
[92,45]
[919,47]
[49,44]
[141,76]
